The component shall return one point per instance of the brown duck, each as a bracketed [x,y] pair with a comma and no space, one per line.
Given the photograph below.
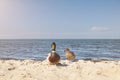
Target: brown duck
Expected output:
[53,58]
[69,55]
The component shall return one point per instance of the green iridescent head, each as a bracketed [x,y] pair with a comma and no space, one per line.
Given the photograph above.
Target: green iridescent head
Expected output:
[53,46]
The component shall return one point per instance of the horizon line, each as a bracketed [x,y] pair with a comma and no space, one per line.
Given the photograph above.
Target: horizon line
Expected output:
[55,38]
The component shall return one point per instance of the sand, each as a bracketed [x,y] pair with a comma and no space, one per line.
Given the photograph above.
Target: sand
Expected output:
[66,70]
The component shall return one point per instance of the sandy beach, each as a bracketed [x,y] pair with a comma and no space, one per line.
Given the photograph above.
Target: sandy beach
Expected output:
[78,70]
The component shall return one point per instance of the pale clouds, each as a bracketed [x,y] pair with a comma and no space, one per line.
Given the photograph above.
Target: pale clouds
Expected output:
[99,29]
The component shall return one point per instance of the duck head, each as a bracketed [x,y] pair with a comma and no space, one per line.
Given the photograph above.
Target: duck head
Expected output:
[53,46]
[66,50]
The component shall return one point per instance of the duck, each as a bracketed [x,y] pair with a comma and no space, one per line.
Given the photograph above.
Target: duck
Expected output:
[69,54]
[53,57]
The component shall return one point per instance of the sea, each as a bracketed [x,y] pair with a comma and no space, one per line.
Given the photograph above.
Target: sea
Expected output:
[37,49]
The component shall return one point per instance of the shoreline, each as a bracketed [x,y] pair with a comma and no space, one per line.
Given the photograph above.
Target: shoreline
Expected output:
[40,70]
[85,59]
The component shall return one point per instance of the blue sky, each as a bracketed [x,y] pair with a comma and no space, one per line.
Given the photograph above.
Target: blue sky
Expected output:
[60,19]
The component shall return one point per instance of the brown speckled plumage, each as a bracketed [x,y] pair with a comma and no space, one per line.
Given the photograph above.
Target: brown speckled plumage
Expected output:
[69,55]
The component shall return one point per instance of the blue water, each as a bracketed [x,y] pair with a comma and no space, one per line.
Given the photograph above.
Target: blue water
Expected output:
[39,48]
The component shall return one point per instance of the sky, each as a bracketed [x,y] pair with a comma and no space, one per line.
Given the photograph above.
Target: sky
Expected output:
[59,19]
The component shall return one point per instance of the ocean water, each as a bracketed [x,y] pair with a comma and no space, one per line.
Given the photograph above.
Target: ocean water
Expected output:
[39,48]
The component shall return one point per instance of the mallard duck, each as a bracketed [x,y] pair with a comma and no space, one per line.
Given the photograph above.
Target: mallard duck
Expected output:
[69,55]
[53,57]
